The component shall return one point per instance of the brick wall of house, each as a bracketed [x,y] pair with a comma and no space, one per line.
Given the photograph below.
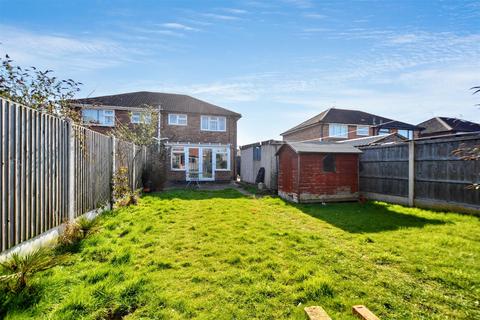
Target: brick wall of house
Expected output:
[313,132]
[315,182]
[190,133]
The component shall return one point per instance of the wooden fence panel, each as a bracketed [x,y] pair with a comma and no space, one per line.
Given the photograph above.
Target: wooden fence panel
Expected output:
[384,170]
[440,177]
[35,179]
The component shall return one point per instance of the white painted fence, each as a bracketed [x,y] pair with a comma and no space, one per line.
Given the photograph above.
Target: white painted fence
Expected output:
[52,171]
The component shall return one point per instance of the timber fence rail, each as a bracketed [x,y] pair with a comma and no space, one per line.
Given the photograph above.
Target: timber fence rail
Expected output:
[423,172]
[52,171]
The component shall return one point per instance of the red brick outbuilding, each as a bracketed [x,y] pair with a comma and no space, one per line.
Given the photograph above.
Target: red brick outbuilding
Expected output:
[318,172]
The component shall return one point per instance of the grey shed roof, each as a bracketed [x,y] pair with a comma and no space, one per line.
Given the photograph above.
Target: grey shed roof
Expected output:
[167,101]
[370,139]
[321,147]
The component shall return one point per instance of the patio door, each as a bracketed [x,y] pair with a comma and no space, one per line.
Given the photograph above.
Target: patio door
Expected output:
[200,164]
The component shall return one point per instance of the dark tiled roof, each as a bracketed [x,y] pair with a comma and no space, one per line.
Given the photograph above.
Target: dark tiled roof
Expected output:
[461,125]
[167,101]
[334,115]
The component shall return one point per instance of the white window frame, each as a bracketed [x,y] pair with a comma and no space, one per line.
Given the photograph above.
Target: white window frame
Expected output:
[210,120]
[361,133]
[138,117]
[177,152]
[177,116]
[383,129]
[225,150]
[102,115]
[332,130]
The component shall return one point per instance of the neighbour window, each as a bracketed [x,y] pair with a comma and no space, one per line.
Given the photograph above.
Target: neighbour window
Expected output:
[329,163]
[98,117]
[338,130]
[178,158]
[362,130]
[406,133]
[211,123]
[140,117]
[177,119]
[257,153]
[384,131]
[222,159]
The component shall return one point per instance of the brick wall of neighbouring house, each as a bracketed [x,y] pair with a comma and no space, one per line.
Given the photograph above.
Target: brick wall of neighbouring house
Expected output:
[288,173]
[313,132]
[315,184]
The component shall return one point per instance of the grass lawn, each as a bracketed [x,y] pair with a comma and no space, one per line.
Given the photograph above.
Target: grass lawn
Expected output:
[222,255]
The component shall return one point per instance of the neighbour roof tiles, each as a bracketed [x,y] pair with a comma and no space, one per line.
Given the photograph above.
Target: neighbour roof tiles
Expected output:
[167,101]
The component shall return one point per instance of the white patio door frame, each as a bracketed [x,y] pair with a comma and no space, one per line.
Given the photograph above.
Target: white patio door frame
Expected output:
[200,162]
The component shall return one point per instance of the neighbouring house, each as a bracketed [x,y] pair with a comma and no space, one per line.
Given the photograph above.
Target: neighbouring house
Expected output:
[340,124]
[201,138]
[318,172]
[439,126]
[389,138]
[260,155]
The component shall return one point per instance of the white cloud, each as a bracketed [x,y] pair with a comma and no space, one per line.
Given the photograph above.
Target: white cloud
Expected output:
[235,10]
[303,4]
[178,26]
[220,16]
[315,15]
[61,50]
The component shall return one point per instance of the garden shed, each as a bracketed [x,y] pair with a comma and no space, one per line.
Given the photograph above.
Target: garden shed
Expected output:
[318,172]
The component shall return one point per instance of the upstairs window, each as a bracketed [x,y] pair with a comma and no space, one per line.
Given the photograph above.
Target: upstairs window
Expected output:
[140,117]
[362,130]
[213,123]
[177,119]
[98,117]
[257,153]
[329,163]
[406,133]
[336,130]
[384,131]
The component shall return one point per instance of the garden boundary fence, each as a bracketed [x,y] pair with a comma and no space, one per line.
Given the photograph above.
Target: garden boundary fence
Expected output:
[53,171]
[424,172]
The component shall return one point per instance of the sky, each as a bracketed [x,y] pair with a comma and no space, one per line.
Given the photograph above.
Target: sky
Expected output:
[275,62]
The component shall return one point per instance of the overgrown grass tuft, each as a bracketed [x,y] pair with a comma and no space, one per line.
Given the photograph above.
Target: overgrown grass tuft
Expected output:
[222,255]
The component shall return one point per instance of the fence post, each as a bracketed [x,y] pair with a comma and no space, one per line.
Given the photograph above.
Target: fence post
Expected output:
[114,168]
[71,171]
[411,173]
[134,177]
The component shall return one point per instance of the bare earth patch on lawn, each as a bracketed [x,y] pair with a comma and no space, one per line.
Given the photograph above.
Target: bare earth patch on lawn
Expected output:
[223,255]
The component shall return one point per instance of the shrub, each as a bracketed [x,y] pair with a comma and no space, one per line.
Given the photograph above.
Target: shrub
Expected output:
[70,237]
[86,225]
[18,268]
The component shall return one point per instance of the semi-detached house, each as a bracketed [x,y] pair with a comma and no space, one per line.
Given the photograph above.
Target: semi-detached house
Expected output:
[341,124]
[201,138]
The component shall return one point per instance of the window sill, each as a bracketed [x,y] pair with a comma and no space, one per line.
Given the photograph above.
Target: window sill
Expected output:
[171,169]
[213,130]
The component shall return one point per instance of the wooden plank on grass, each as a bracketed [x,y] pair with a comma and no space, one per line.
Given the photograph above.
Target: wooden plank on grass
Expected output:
[316,313]
[363,313]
